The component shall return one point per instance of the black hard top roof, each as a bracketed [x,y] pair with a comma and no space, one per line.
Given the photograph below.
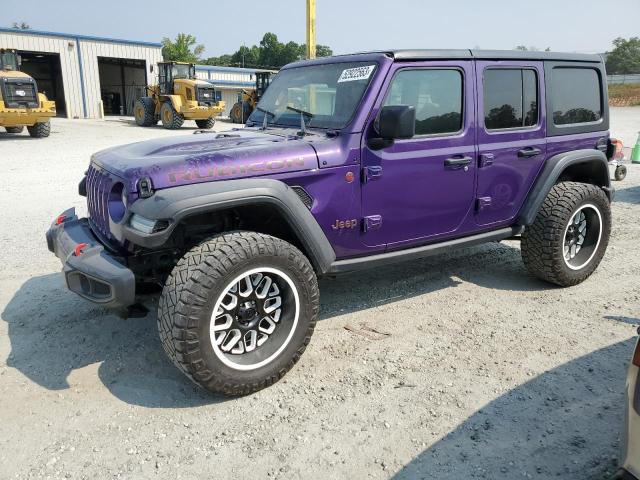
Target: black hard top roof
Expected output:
[492,55]
[451,54]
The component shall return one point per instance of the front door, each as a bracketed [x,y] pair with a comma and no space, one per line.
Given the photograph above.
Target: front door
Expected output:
[423,187]
[511,137]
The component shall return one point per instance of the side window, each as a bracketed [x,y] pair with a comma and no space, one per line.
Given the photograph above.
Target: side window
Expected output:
[436,96]
[510,98]
[575,95]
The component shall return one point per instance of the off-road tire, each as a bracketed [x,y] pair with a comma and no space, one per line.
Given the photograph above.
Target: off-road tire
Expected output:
[40,130]
[145,112]
[236,113]
[190,294]
[542,243]
[206,124]
[14,129]
[171,119]
[620,173]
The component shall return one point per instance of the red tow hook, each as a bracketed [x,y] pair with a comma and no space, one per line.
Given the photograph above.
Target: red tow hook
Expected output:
[79,249]
[60,219]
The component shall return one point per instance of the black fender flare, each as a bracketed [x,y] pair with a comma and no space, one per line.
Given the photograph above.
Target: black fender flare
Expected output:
[177,203]
[594,160]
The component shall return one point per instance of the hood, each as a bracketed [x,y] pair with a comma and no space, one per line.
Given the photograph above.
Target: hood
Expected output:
[207,157]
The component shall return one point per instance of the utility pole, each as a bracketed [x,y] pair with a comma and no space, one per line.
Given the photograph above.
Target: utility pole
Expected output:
[311,28]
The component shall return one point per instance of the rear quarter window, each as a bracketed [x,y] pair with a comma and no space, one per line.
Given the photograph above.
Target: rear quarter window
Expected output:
[575,95]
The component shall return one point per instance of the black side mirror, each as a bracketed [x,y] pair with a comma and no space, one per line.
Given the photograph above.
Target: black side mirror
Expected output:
[397,122]
[394,122]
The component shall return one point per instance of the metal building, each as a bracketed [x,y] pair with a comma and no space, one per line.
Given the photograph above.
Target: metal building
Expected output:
[86,76]
[229,81]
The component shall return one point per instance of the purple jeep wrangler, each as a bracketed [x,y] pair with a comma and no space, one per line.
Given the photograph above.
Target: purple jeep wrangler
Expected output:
[347,162]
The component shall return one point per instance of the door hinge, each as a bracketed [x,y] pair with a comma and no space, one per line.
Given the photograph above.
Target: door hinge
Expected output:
[372,222]
[482,203]
[371,172]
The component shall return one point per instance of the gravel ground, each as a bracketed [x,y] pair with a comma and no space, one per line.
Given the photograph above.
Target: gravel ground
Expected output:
[459,366]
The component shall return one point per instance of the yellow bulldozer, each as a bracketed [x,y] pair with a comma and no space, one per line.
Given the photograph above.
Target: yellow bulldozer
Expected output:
[21,105]
[179,96]
[242,109]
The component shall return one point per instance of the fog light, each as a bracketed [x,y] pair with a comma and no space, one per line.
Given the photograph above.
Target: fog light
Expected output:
[142,224]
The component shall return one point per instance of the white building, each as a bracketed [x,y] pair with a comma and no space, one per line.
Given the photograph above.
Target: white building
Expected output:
[229,81]
[90,76]
[84,74]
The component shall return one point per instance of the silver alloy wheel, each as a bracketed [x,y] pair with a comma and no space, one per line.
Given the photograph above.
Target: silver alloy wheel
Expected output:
[582,237]
[254,318]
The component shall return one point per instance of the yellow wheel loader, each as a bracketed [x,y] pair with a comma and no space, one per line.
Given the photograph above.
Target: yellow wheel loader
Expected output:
[179,96]
[20,103]
[241,110]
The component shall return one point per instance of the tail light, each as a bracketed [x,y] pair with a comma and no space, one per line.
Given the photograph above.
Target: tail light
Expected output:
[616,147]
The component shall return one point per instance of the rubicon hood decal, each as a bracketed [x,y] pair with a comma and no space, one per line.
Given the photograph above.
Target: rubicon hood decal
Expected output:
[198,158]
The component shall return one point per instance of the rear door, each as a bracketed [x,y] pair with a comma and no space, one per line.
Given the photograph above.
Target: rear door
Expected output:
[422,188]
[511,136]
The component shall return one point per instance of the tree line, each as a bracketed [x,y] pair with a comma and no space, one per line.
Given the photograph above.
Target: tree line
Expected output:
[269,53]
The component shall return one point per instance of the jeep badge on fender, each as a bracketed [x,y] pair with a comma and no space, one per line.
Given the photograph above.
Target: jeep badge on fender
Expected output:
[235,228]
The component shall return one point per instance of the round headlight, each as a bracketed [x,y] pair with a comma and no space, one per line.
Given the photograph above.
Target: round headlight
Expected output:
[117,202]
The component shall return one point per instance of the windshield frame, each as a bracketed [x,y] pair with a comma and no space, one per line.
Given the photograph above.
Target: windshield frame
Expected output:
[258,118]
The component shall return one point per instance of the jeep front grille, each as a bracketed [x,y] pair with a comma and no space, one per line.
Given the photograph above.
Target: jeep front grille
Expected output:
[206,95]
[19,93]
[98,187]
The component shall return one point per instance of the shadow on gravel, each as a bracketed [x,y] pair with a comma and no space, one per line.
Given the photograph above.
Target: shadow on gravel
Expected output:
[53,334]
[547,428]
[627,195]
[496,266]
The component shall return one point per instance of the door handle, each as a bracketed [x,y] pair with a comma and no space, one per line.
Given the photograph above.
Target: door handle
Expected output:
[529,152]
[458,162]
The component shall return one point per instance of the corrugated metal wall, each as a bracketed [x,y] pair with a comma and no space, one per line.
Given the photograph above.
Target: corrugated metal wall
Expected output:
[79,64]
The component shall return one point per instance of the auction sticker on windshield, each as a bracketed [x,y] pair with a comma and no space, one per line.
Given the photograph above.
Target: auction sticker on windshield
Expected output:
[358,73]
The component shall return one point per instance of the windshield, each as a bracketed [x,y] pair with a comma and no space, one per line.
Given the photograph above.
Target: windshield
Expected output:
[182,71]
[330,93]
[8,61]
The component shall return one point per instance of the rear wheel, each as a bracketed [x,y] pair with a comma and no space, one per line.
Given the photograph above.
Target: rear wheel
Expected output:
[207,124]
[145,112]
[170,118]
[40,130]
[570,234]
[19,129]
[238,311]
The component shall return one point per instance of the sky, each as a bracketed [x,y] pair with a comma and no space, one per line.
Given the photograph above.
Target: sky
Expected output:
[344,25]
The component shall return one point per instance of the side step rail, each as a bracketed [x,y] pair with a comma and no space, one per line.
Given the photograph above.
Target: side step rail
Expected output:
[351,264]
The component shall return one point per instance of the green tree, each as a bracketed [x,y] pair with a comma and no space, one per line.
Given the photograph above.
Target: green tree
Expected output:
[21,26]
[185,48]
[625,56]
[270,53]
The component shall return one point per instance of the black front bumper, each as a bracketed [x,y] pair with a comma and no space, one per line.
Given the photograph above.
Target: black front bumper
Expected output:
[92,272]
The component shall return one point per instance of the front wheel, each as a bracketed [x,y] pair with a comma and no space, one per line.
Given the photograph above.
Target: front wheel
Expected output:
[171,119]
[207,123]
[570,234]
[238,311]
[40,130]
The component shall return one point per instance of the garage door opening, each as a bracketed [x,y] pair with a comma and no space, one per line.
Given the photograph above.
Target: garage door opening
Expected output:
[122,82]
[46,70]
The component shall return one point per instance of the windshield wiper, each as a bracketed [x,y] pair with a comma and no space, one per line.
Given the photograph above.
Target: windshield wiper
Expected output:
[267,114]
[303,126]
